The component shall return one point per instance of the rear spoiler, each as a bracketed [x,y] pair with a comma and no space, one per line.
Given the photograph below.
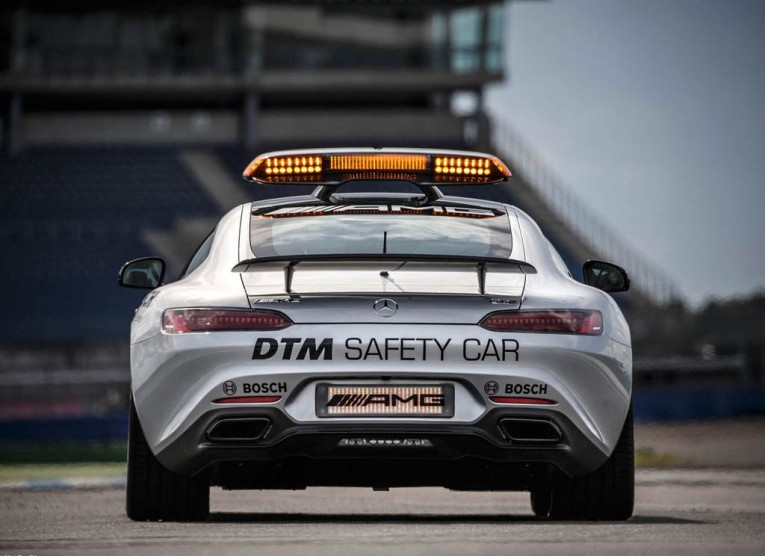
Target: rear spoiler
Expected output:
[294,260]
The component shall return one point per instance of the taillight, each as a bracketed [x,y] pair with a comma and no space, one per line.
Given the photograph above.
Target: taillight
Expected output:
[589,323]
[180,321]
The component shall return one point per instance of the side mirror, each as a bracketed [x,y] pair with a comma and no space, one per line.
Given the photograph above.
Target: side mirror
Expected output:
[606,276]
[146,273]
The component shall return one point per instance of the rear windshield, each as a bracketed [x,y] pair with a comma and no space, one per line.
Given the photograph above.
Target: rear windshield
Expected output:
[380,229]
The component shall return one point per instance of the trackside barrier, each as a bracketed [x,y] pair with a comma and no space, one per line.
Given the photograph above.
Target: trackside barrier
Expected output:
[697,403]
[655,404]
[90,428]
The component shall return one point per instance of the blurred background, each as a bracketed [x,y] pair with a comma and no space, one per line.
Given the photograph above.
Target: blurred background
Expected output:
[634,132]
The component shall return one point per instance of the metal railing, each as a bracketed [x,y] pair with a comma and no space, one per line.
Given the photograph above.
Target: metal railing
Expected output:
[591,229]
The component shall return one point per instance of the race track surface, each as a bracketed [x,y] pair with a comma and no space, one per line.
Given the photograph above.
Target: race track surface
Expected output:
[678,512]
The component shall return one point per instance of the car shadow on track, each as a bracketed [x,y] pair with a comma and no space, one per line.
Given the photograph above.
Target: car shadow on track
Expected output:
[286,518]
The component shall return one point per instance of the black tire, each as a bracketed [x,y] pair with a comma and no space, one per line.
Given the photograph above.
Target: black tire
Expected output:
[541,501]
[605,494]
[154,493]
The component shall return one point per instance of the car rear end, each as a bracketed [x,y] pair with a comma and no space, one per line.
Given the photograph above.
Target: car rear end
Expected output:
[382,341]
[426,364]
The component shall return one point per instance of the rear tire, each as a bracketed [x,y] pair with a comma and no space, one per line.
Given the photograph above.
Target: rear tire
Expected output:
[541,501]
[154,493]
[605,494]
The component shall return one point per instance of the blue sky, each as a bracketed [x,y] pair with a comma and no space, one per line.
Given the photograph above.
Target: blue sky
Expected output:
[654,113]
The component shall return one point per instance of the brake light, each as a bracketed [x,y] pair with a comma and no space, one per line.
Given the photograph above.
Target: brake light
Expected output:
[589,323]
[180,321]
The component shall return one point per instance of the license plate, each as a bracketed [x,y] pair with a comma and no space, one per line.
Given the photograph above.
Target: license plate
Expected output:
[383,400]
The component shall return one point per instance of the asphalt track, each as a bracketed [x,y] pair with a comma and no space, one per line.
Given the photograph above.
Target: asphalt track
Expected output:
[678,512]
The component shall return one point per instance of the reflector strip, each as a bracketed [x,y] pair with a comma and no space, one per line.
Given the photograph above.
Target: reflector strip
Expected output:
[388,162]
[527,401]
[249,399]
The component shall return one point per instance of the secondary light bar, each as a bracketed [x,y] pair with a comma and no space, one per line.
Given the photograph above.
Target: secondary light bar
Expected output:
[336,166]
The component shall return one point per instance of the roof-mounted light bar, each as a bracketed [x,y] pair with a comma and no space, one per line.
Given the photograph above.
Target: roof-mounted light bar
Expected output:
[332,167]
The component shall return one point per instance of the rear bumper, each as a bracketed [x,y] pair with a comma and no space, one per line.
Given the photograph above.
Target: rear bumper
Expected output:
[382,455]
[179,381]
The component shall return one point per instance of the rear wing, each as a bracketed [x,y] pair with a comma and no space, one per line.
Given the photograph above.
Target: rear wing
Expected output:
[290,263]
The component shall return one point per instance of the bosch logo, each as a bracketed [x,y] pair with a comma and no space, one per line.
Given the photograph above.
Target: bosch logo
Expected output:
[491,388]
[229,388]
[385,307]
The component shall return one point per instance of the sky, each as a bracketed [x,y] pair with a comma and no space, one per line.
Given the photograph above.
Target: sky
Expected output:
[653,112]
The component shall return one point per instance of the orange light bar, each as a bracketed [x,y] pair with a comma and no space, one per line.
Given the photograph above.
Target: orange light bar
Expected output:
[337,166]
[390,162]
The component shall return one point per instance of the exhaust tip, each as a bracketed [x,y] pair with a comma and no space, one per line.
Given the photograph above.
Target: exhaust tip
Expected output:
[526,430]
[239,429]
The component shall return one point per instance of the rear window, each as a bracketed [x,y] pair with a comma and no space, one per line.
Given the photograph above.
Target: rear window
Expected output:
[378,229]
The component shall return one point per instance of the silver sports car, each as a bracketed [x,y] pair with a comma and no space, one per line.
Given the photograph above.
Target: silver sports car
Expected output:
[380,340]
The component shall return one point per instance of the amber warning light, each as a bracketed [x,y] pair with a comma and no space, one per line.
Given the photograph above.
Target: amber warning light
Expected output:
[336,166]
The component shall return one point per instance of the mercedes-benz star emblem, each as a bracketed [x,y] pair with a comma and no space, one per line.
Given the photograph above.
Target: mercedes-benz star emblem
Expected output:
[385,307]
[229,388]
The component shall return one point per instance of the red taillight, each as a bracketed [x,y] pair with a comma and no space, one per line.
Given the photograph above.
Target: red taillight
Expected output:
[249,399]
[561,322]
[180,321]
[529,401]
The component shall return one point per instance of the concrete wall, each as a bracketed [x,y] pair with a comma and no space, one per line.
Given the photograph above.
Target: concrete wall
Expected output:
[128,128]
[409,127]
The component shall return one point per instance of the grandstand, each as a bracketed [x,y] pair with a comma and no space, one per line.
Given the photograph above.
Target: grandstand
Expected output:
[73,215]
[125,132]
